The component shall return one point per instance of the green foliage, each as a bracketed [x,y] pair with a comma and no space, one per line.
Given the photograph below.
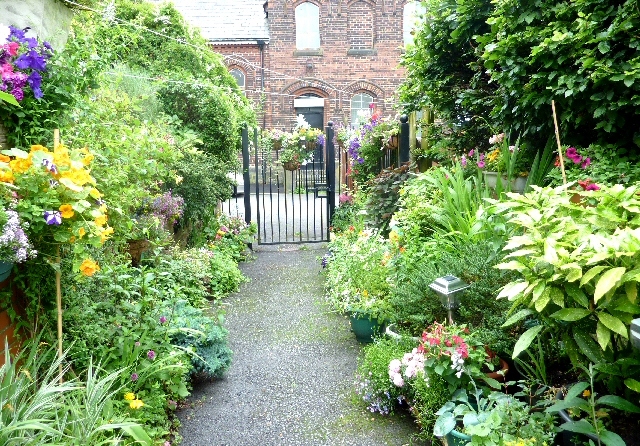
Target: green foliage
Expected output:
[443,74]
[230,236]
[578,271]
[348,214]
[39,408]
[210,112]
[415,305]
[582,397]
[428,396]
[203,337]
[383,193]
[582,54]
[373,384]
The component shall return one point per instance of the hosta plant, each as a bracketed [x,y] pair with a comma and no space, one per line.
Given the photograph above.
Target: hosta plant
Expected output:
[579,267]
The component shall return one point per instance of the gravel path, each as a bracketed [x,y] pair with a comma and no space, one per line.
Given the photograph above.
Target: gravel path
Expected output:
[292,374]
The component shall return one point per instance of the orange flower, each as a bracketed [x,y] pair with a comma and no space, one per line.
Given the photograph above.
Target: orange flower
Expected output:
[89,267]
[66,211]
[39,148]
[20,165]
[4,159]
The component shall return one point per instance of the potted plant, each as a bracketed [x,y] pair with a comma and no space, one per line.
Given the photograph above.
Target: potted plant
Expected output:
[492,418]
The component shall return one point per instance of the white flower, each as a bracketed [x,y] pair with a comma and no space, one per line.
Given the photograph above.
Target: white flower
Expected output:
[397,380]
[459,374]
[394,366]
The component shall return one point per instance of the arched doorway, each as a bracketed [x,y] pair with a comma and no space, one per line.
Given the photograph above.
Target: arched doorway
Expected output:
[311,106]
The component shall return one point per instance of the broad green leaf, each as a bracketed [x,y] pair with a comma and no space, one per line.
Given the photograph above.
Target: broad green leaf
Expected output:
[574,291]
[609,438]
[576,390]
[525,340]
[631,288]
[618,403]
[607,281]
[511,290]
[8,98]
[544,299]
[71,185]
[520,253]
[517,317]
[588,346]
[513,265]
[518,241]
[614,324]
[579,427]
[572,349]
[17,153]
[538,290]
[625,306]
[603,335]
[444,424]
[591,274]
[632,384]
[574,274]
[557,297]
[570,314]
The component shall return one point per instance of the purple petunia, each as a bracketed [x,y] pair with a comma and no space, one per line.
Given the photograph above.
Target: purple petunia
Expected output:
[53,217]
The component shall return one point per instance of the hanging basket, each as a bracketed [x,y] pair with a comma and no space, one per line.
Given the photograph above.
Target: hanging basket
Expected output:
[392,142]
[277,144]
[291,165]
[136,248]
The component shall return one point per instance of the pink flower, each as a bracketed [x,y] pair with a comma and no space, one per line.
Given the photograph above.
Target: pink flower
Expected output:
[463,161]
[481,164]
[394,366]
[397,380]
[585,163]
[471,152]
[592,186]
[163,319]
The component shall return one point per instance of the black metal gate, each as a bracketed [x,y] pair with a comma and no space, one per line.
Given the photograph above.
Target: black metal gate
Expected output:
[290,206]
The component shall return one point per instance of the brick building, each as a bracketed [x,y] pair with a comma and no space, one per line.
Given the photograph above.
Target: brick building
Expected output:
[325,59]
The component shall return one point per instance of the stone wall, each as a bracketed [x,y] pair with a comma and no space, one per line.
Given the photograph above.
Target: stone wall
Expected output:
[49,19]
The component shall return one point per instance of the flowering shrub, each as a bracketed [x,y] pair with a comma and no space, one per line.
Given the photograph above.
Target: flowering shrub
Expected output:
[22,60]
[57,197]
[14,244]
[450,351]
[232,234]
[577,168]
[168,208]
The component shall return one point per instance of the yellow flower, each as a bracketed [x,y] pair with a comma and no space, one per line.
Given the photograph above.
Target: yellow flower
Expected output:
[66,211]
[61,156]
[6,176]
[89,267]
[81,232]
[101,220]
[79,177]
[129,396]
[72,239]
[39,148]
[494,155]
[104,235]
[394,237]
[586,393]
[365,293]
[95,193]
[136,404]
[20,165]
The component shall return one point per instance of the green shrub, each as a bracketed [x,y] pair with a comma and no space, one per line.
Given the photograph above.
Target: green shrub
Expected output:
[428,397]
[416,306]
[204,337]
[383,193]
[373,384]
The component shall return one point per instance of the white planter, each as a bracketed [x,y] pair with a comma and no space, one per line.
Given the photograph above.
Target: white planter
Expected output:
[517,185]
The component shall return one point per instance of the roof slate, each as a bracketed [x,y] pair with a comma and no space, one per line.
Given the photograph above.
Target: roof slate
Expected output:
[226,20]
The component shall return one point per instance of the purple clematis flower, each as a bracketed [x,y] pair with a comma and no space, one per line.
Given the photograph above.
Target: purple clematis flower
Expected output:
[53,217]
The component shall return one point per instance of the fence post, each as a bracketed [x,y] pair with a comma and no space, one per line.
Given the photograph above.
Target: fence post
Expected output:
[404,139]
[331,173]
[245,174]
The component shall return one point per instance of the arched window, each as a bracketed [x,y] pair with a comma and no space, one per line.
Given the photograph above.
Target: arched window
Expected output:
[238,75]
[307,26]
[360,107]
[411,20]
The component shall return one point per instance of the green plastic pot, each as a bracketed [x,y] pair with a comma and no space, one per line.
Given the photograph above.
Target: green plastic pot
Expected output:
[364,327]
[5,270]
[455,438]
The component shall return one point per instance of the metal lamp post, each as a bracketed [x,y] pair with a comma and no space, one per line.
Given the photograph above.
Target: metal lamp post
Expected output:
[635,333]
[449,289]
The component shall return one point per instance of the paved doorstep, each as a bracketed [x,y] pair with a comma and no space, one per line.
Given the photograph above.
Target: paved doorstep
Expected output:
[292,374]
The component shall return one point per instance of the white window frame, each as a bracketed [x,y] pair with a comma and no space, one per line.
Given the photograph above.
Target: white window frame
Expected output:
[307,26]
[360,101]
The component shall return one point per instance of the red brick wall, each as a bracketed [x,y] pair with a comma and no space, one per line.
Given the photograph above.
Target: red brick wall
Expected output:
[360,42]
[8,330]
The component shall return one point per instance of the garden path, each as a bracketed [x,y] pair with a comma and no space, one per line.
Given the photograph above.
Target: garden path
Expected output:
[292,374]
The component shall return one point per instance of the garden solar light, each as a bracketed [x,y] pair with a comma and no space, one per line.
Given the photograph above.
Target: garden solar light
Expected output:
[635,333]
[449,289]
